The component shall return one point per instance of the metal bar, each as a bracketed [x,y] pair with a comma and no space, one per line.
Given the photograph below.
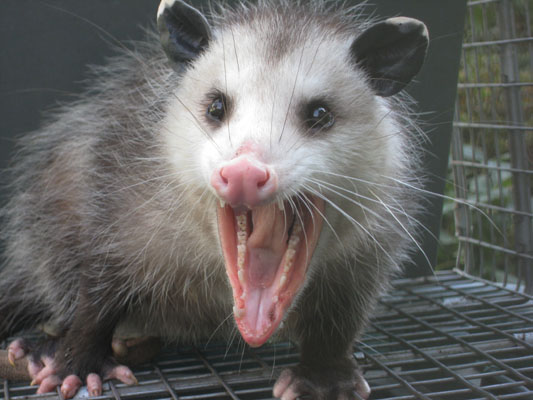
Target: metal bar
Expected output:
[403,382]
[487,206]
[114,390]
[462,213]
[497,42]
[258,359]
[493,85]
[165,382]
[477,2]
[217,375]
[494,247]
[459,124]
[494,167]
[6,390]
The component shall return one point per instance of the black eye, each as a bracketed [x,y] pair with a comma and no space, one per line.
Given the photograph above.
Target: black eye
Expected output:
[216,111]
[318,117]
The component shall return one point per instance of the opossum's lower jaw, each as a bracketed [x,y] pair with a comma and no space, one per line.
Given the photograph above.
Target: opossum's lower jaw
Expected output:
[267,251]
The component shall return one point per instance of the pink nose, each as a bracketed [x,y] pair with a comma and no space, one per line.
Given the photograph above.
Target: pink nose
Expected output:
[244,181]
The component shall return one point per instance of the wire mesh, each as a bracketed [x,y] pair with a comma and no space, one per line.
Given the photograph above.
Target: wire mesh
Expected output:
[492,148]
[450,337]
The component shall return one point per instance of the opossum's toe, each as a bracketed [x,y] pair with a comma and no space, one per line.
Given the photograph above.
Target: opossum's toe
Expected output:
[362,388]
[94,385]
[123,374]
[338,381]
[48,369]
[49,384]
[70,386]
[283,382]
[34,367]
[16,350]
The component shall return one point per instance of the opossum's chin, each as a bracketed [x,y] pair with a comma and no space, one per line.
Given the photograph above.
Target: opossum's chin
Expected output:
[267,251]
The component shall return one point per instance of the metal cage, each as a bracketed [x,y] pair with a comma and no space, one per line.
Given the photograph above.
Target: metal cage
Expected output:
[492,146]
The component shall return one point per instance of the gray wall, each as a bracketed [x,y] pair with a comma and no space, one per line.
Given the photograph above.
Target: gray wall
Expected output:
[45,46]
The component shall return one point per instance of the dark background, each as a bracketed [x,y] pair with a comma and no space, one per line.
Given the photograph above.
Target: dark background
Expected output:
[45,47]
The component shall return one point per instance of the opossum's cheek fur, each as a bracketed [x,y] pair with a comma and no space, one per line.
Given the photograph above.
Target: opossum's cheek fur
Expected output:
[267,251]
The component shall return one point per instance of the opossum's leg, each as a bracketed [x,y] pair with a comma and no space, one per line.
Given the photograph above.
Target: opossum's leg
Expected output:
[85,352]
[329,317]
[17,310]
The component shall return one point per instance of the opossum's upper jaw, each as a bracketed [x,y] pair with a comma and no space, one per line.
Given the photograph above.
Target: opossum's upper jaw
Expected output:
[267,251]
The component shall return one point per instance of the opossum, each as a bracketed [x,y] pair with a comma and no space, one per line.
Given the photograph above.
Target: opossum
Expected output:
[255,169]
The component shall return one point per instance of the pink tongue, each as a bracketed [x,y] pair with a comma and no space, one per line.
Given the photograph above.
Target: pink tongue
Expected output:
[267,244]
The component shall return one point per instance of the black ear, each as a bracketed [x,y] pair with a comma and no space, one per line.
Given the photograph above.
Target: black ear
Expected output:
[184,31]
[391,52]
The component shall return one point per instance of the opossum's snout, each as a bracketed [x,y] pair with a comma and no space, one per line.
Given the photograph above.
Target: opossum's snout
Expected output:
[245,181]
[267,242]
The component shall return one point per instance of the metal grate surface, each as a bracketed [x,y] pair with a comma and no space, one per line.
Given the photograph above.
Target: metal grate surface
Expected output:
[447,337]
[492,148]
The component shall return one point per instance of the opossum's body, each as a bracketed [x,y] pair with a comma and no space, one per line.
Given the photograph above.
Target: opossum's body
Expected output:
[113,219]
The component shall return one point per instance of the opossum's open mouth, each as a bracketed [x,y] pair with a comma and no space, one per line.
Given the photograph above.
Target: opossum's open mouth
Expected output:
[267,251]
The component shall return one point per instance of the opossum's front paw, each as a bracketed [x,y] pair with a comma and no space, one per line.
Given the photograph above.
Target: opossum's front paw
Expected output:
[71,369]
[341,380]
[51,376]
[49,367]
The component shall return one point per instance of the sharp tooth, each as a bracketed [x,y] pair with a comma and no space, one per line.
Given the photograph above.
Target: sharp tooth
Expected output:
[297,228]
[241,222]
[222,203]
[238,312]
[294,240]
[282,281]
[240,273]
[280,205]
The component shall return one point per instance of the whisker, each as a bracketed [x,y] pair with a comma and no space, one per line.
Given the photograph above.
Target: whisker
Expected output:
[443,196]
[216,329]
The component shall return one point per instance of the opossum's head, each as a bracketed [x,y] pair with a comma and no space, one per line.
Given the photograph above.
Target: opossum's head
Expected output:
[273,98]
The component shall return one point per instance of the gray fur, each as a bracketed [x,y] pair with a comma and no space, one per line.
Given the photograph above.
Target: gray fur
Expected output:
[96,192]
